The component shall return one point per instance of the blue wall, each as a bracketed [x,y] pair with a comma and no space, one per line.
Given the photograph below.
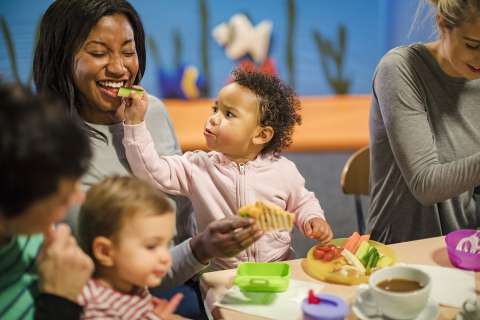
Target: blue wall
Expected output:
[374,26]
[399,15]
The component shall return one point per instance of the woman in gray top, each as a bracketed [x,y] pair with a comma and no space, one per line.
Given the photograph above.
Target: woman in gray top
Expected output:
[425,131]
[87,49]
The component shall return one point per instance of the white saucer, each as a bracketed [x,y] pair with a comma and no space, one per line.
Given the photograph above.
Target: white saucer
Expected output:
[430,312]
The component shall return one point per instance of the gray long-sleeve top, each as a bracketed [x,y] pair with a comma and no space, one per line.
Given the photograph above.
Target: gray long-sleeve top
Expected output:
[424,148]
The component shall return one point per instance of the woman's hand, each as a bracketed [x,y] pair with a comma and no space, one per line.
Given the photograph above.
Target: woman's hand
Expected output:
[136,106]
[63,267]
[225,238]
[318,229]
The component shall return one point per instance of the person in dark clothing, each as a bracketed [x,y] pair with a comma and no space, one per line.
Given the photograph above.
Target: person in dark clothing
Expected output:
[43,154]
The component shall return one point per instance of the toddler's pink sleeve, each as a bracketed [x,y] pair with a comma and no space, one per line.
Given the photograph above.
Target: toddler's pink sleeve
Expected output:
[302,202]
[171,174]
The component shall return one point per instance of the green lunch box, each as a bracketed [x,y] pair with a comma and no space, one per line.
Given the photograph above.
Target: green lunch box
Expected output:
[263,276]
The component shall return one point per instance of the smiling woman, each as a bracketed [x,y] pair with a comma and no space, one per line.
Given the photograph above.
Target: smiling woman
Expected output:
[457,51]
[87,50]
[106,61]
[107,52]
[97,47]
[425,131]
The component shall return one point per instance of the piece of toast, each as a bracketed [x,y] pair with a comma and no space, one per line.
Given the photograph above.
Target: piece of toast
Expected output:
[268,215]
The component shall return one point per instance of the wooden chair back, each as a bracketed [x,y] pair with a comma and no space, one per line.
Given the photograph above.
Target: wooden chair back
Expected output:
[355,181]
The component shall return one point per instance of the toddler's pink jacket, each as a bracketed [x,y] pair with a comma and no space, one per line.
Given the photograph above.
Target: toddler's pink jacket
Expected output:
[218,186]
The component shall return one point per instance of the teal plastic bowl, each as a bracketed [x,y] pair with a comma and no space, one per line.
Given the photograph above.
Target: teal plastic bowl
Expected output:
[263,276]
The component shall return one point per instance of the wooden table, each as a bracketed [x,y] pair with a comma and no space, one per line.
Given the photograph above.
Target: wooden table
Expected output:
[430,251]
[330,123]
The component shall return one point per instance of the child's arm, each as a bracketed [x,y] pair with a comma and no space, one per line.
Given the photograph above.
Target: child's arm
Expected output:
[310,218]
[171,174]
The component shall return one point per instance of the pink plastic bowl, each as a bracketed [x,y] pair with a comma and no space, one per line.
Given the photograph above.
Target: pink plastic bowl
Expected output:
[462,260]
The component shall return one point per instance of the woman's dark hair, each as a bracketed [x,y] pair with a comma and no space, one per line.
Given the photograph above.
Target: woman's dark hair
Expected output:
[279,106]
[64,28]
[39,145]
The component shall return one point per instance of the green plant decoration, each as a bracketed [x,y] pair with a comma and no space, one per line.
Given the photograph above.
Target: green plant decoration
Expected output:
[152,46]
[12,56]
[337,81]
[37,36]
[7,36]
[291,26]
[204,39]
[178,47]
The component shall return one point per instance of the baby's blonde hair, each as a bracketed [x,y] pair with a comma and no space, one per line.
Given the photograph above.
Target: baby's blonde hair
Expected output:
[110,203]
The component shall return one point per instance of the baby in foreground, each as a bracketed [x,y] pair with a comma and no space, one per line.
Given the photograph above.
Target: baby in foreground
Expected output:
[126,227]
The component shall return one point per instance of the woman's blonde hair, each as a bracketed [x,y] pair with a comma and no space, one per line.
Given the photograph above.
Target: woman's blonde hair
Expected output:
[454,13]
[110,203]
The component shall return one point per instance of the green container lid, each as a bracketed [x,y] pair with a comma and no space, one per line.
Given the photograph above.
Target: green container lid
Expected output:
[263,276]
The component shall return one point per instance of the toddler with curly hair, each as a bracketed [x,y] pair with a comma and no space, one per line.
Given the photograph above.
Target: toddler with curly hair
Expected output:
[252,121]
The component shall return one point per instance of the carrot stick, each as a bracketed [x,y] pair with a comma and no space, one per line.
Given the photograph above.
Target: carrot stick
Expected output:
[351,242]
[365,237]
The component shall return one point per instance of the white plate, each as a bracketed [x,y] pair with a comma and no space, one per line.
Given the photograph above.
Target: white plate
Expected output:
[430,312]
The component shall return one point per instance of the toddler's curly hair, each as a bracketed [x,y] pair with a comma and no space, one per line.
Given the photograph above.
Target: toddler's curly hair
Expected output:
[278,103]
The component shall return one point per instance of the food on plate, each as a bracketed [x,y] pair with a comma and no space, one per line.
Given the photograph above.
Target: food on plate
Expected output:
[348,261]
[353,261]
[327,252]
[268,216]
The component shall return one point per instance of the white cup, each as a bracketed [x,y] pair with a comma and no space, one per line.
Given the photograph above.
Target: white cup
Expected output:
[401,305]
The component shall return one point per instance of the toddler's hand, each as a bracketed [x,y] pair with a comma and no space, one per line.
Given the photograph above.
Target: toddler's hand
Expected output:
[135,106]
[318,229]
[165,308]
